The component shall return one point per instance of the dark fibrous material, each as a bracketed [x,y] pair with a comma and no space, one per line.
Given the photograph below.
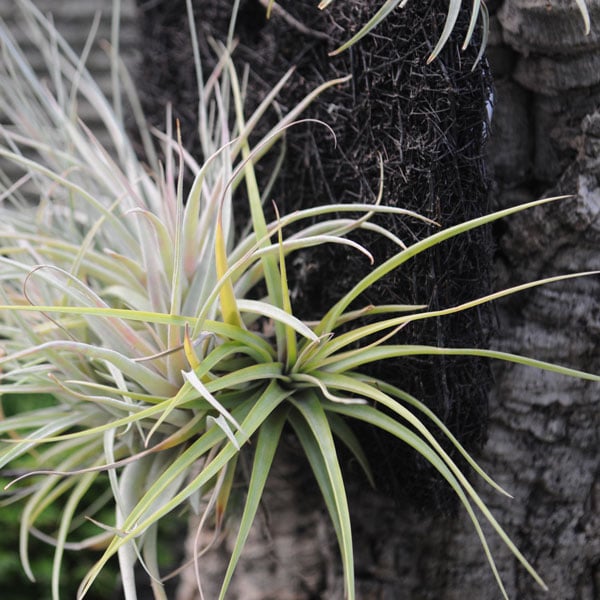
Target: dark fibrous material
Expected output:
[427,122]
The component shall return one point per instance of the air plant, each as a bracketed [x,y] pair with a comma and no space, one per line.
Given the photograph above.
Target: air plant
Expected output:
[478,11]
[167,340]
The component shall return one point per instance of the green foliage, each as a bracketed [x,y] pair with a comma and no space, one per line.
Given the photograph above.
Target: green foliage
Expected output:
[15,586]
[14,583]
[138,313]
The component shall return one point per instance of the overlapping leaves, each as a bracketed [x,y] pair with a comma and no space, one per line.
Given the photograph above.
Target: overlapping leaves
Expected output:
[141,314]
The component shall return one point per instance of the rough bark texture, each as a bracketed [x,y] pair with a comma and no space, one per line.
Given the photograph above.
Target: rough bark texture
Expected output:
[545,430]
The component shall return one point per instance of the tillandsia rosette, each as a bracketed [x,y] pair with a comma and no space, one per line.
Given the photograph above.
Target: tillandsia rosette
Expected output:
[426,120]
[166,340]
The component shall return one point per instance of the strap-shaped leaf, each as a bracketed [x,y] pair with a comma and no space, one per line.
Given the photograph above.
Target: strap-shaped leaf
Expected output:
[385,352]
[229,306]
[368,391]
[343,432]
[585,14]
[357,334]
[266,446]
[451,17]
[397,260]
[396,392]
[315,435]
[375,20]
[378,419]
[252,414]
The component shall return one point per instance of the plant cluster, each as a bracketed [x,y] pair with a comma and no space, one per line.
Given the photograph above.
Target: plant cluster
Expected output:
[168,341]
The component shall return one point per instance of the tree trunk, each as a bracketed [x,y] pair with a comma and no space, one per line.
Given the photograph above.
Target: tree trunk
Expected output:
[544,430]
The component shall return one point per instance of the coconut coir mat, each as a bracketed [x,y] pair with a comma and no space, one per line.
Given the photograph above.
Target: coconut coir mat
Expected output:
[428,122]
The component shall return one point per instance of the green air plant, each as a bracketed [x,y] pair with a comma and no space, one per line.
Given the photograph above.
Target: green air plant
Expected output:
[478,11]
[167,340]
